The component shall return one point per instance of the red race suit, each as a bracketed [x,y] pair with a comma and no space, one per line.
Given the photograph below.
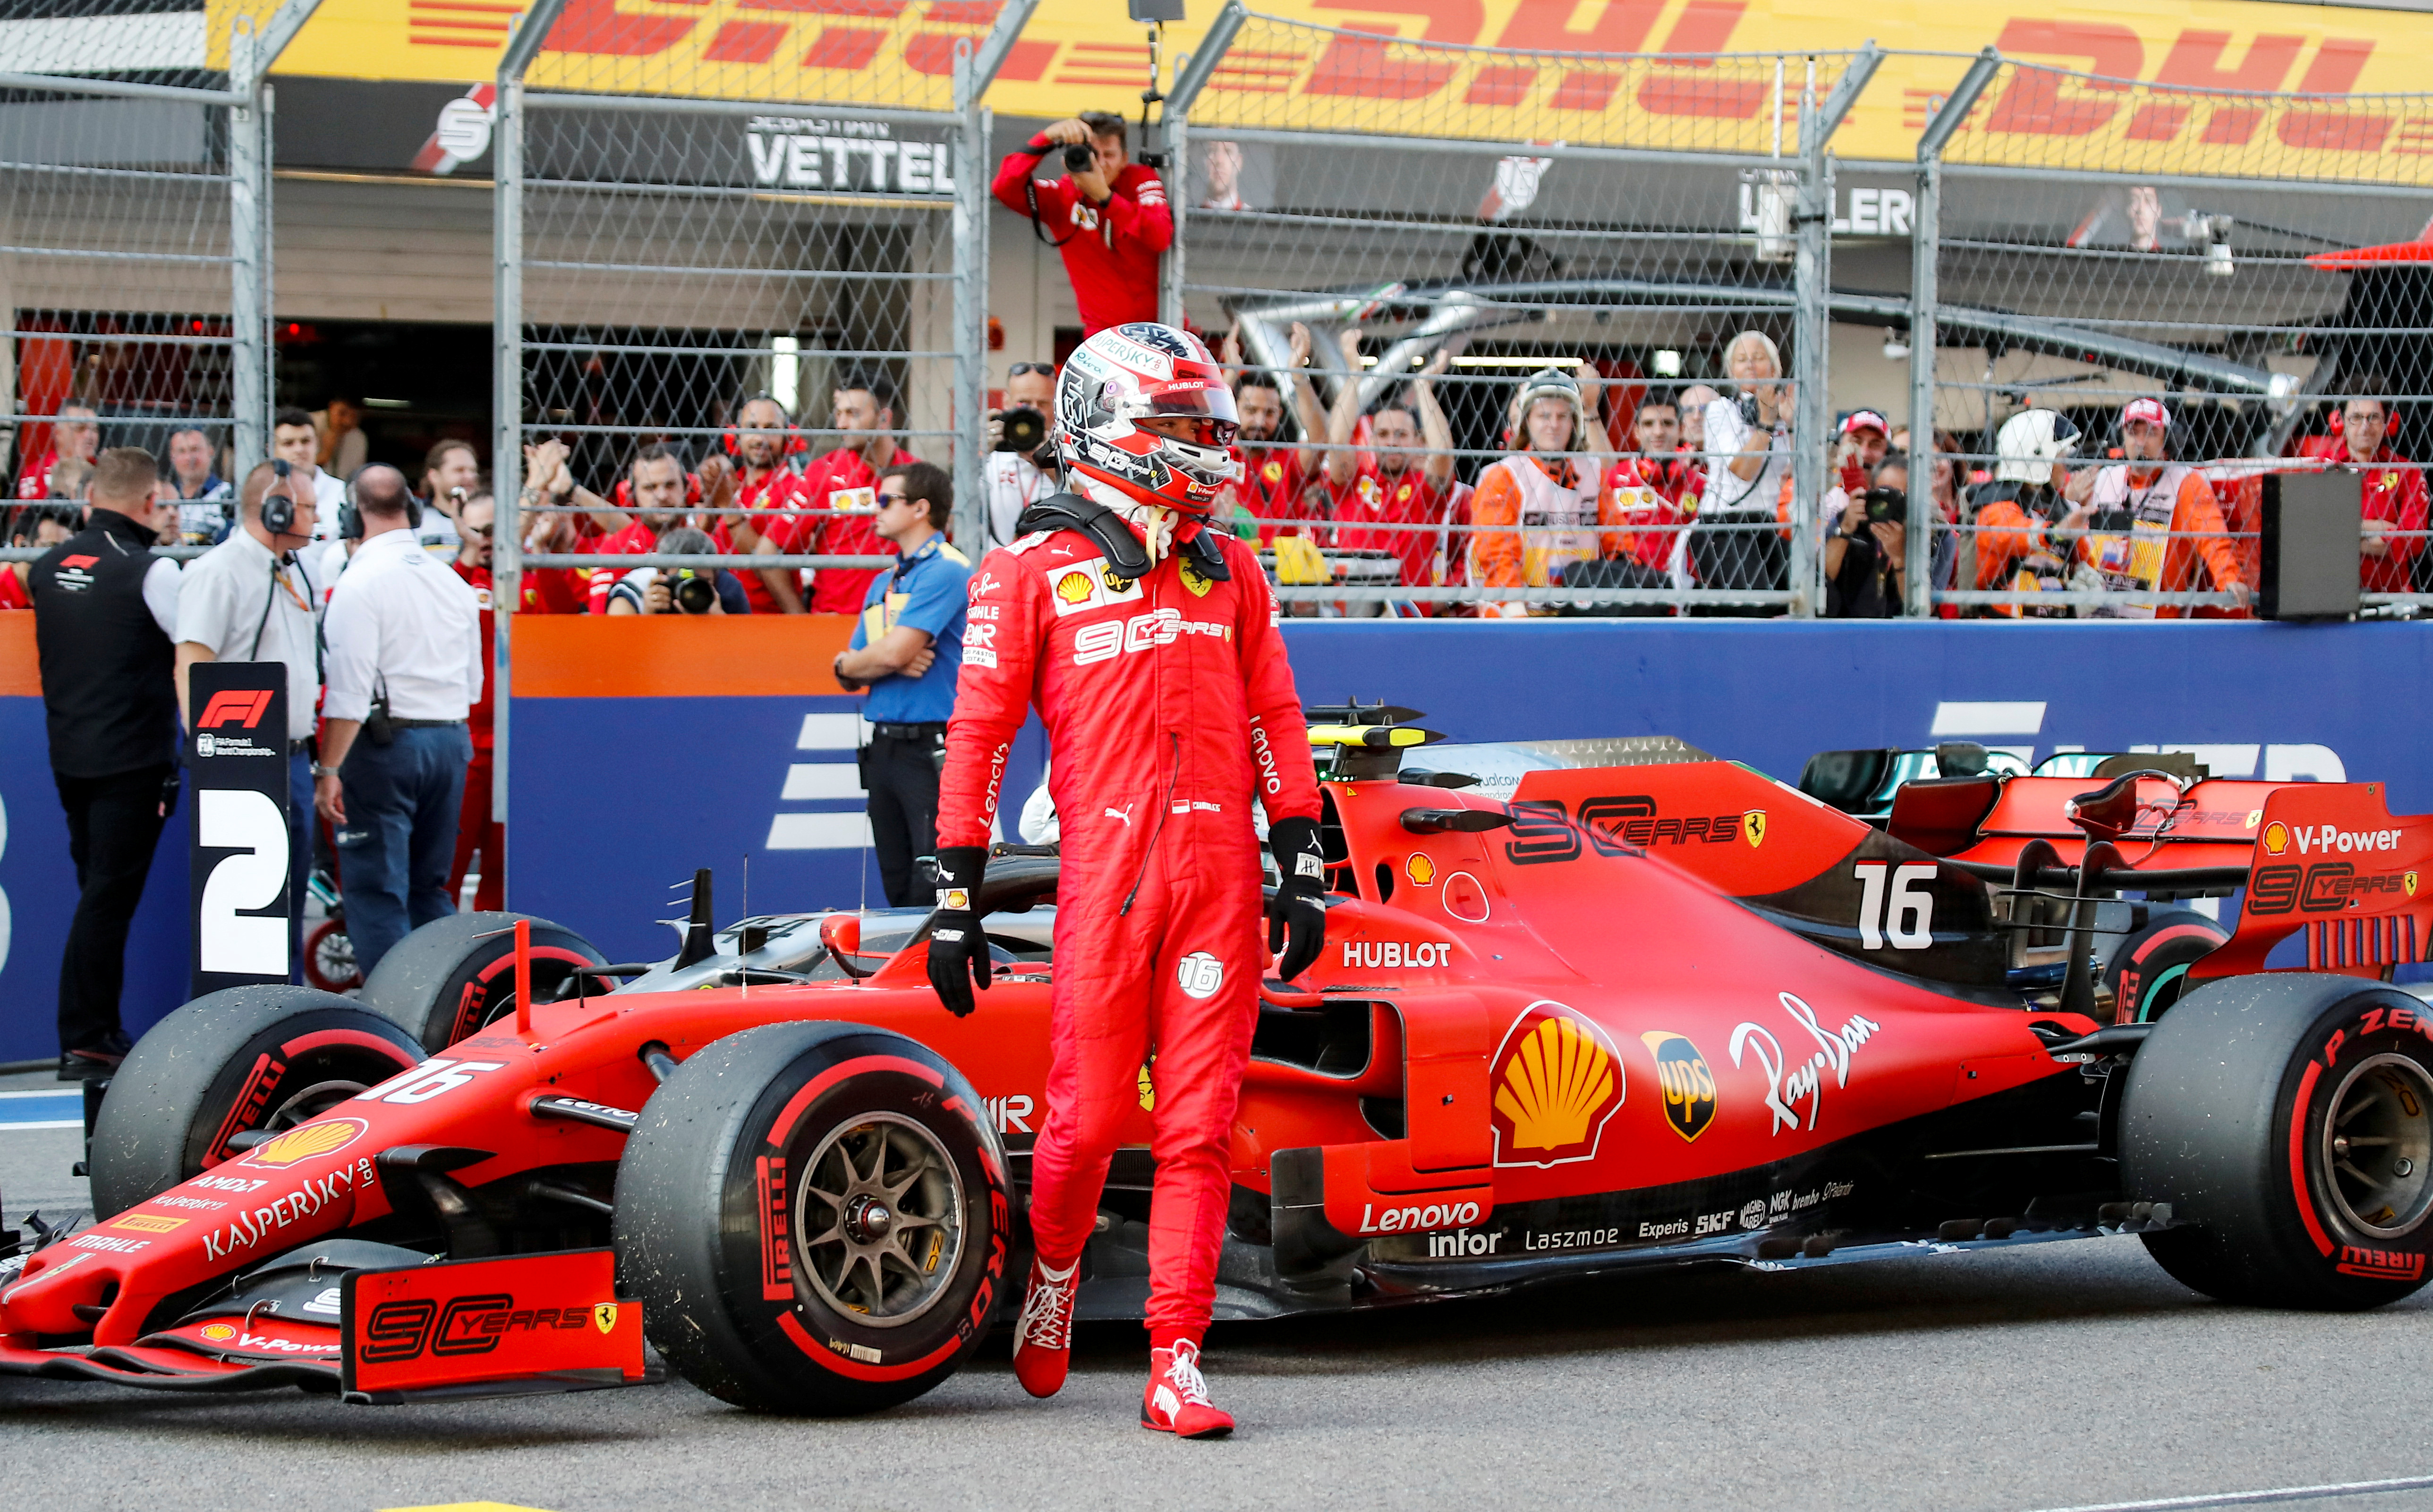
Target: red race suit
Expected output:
[475,828]
[836,502]
[1111,250]
[1170,706]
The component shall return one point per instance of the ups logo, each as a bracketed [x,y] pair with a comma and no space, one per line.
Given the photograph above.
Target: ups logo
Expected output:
[1686,1081]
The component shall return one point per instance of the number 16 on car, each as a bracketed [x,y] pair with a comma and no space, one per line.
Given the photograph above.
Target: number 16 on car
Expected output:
[1900,915]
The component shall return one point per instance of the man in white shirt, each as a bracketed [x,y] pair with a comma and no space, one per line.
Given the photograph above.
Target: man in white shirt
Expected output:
[404,669]
[295,440]
[248,599]
[1017,479]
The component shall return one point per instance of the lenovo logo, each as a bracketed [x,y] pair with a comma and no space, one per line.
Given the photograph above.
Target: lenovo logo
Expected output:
[242,707]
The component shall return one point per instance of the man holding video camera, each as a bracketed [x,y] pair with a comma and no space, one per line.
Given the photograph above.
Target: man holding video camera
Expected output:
[1021,462]
[1107,214]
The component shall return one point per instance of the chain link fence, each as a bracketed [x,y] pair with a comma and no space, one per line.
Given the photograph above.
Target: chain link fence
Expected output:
[1446,222]
[2103,242]
[134,207]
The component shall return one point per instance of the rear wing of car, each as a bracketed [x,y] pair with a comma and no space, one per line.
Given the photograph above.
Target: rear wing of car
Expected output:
[2330,859]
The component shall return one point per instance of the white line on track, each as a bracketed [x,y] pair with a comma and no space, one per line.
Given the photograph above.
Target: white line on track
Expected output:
[2287,1493]
[46,1092]
[42,1123]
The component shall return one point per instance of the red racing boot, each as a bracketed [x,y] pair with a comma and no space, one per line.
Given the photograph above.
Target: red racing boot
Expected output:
[1176,1400]
[1043,1338]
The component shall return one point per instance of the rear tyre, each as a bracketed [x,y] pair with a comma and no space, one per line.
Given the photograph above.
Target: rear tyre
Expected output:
[2150,970]
[815,1218]
[330,957]
[2287,1119]
[453,976]
[243,1059]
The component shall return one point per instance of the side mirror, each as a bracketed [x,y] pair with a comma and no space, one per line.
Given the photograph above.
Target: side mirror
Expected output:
[842,934]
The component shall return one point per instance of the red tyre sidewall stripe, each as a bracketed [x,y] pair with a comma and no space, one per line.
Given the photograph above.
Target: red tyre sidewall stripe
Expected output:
[2300,1189]
[322,1039]
[2177,931]
[787,1116]
[844,1365]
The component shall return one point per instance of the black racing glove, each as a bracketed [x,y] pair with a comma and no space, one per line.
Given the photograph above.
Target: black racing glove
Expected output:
[959,954]
[1299,908]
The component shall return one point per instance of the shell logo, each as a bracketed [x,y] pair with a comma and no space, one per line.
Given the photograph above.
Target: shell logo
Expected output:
[2276,837]
[307,1141]
[1421,870]
[1074,586]
[1558,1080]
[218,1332]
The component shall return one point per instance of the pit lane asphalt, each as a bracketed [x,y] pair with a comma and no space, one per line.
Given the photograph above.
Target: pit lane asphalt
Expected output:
[2062,1376]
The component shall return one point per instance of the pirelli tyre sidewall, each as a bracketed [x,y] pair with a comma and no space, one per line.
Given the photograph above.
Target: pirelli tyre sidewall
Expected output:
[235,1060]
[721,1232]
[447,978]
[2150,972]
[2287,1119]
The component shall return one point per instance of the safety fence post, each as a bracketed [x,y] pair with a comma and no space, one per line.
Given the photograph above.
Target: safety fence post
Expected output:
[1192,71]
[1926,241]
[975,70]
[507,399]
[1811,430]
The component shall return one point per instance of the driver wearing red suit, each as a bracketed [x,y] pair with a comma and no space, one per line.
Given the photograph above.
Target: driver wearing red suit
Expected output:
[1150,645]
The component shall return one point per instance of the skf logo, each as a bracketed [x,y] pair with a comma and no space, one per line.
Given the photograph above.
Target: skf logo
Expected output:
[1558,1080]
[309,1141]
[235,705]
[1686,1080]
[2276,837]
[1753,827]
[2380,1265]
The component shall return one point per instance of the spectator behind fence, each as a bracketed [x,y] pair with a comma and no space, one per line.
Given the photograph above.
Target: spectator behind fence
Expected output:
[105,616]
[1274,471]
[2027,531]
[563,529]
[2155,527]
[907,649]
[2393,492]
[1107,214]
[679,590]
[68,480]
[249,599]
[297,441]
[343,448]
[38,526]
[1017,479]
[840,491]
[1402,497]
[659,488]
[479,837]
[75,437]
[451,473]
[1695,400]
[1748,460]
[757,479]
[1650,497]
[1536,509]
[203,494]
[1865,568]
[405,668]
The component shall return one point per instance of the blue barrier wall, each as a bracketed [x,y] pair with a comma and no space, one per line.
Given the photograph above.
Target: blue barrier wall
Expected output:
[617,800]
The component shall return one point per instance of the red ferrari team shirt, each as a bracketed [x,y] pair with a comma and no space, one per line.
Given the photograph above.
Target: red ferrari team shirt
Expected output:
[1111,251]
[479,722]
[1270,489]
[633,540]
[771,500]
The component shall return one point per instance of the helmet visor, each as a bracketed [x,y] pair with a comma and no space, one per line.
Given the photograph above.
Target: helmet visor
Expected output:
[1197,411]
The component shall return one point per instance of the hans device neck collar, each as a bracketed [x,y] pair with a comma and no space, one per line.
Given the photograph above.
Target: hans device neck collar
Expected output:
[1126,555]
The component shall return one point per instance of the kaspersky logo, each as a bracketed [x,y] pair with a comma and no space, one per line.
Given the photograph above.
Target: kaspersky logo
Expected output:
[235,705]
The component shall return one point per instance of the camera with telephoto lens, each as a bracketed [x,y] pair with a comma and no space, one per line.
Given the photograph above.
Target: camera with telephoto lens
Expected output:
[1078,157]
[1886,504]
[1748,409]
[694,592]
[1025,430]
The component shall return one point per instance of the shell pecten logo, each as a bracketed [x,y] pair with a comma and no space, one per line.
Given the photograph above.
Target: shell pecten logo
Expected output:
[1558,1080]
[307,1141]
[1074,586]
[2276,837]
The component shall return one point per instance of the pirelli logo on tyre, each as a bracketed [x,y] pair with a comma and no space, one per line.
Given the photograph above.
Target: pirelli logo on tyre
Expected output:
[2380,1265]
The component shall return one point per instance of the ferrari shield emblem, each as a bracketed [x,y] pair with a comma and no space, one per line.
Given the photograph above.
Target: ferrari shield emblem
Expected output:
[604,1316]
[1147,1089]
[1195,580]
[2408,882]
[1753,827]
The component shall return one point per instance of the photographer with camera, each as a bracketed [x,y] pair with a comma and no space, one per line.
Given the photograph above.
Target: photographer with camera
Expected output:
[1863,557]
[1021,462]
[680,589]
[1747,438]
[1107,214]
[907,649]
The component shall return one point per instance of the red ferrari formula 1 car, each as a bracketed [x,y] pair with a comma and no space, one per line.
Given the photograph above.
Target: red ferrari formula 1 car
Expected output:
[1655,1009]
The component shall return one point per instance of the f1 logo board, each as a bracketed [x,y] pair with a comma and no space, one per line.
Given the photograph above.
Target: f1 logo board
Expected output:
[240,859]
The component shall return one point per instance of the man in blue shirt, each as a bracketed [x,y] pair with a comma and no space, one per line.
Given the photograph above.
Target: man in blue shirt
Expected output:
[906,649]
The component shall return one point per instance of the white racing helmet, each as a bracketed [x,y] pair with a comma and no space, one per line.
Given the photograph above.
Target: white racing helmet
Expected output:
[1144,418]
[1548,383]
[2030,443]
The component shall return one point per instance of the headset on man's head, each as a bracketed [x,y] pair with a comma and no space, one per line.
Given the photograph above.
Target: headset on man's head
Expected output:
[731,441]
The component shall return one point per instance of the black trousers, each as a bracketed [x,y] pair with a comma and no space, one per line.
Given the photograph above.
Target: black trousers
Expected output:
[113,826]
[902,777]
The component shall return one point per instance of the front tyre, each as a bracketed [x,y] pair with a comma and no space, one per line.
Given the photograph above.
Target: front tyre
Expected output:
[2288,1121]
[815,1218]
[456,976]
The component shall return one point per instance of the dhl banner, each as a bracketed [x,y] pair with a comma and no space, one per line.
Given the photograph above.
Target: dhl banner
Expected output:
[1395,77]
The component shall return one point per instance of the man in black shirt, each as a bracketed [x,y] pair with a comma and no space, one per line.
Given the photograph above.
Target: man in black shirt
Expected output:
[105,610]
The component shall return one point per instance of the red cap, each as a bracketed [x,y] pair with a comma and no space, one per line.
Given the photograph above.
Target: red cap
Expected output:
[1866,421]
[2152,411]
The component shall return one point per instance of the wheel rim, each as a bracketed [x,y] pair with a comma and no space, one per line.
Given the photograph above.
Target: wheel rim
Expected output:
[2377,1145]
[312,1102]
[878,1220]
[333,957]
